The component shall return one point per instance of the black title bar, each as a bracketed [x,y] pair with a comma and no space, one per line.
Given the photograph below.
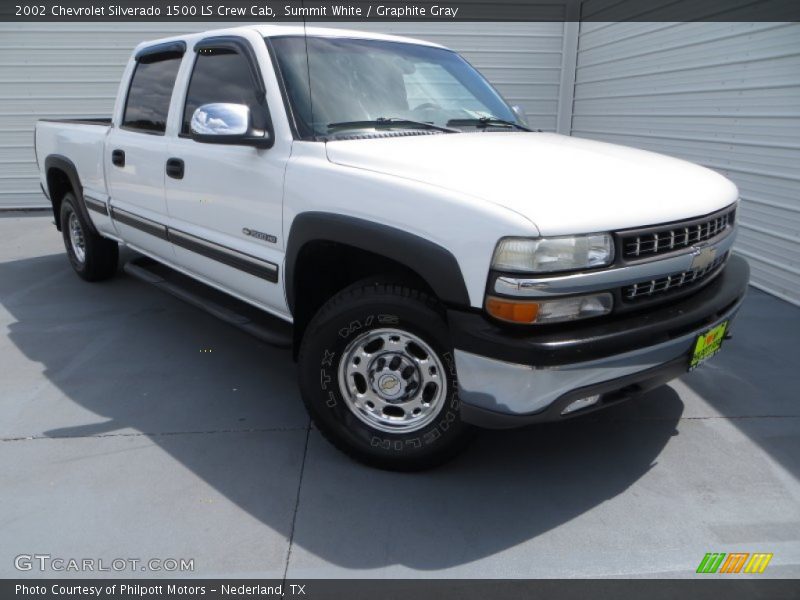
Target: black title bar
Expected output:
[393,10]
[709,588]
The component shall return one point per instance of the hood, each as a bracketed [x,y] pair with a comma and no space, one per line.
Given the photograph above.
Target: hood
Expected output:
[562,184]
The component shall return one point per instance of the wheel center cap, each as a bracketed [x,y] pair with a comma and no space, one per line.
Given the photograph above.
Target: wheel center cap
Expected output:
[390,385]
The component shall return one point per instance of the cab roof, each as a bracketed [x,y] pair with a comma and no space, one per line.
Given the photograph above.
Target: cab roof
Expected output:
[269,30]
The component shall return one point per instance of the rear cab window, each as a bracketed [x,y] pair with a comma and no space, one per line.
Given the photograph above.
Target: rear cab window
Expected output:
[150,91]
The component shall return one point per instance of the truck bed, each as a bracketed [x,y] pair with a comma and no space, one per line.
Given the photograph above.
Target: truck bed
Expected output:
[82,142]
[82,121]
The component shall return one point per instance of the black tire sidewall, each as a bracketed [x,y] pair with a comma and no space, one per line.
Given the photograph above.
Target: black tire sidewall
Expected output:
[67,209]
[101,254]
[323,345]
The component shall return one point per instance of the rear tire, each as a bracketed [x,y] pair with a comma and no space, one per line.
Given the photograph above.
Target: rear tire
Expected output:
[378,378]
[94,258]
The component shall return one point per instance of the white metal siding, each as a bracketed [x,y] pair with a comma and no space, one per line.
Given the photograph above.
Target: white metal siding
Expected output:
[725,95]
[71,70]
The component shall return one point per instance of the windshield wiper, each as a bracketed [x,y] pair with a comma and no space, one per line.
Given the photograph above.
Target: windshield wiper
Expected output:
[484,122]
[389,122]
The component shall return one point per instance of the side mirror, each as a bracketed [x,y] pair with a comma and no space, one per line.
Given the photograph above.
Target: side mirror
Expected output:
[225,123]
[519,112]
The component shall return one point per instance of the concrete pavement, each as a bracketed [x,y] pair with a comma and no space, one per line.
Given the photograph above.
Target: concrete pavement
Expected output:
[135,426]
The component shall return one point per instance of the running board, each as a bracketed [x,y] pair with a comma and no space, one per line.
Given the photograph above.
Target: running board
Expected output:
[256,322]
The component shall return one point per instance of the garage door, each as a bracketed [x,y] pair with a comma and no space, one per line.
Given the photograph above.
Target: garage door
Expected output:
[72,70]
[726,95]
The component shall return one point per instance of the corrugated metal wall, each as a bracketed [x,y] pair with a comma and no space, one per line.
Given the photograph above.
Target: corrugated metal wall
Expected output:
[725,95]
[64,70]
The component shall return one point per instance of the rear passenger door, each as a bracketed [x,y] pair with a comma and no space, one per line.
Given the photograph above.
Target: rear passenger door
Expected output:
[136,150]
[226,203]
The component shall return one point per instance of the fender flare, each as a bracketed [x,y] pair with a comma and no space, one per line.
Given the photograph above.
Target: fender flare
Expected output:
[62,163]
[436,265]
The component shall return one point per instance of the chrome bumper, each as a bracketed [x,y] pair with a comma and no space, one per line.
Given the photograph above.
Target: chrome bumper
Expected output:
[515,390]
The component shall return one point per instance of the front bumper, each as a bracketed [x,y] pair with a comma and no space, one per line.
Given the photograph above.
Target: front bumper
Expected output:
[509,376]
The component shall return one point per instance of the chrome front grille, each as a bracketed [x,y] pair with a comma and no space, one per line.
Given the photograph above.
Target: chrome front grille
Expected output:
[661,285]
[644,243]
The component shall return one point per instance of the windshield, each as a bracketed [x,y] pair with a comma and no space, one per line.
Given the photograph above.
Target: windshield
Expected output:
[354,82]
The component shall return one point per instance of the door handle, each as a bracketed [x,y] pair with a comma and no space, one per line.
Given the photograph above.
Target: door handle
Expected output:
[175,168]
[118,158]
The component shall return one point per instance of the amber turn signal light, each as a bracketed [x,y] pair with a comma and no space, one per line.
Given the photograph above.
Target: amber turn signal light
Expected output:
[512,311]
[553,310]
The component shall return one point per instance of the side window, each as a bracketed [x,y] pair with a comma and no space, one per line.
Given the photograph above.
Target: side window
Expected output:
[222,75]
[147,105]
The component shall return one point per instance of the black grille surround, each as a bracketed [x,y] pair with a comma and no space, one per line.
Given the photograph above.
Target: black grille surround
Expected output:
[651,243]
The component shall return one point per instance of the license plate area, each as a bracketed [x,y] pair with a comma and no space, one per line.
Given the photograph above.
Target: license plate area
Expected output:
[707,344]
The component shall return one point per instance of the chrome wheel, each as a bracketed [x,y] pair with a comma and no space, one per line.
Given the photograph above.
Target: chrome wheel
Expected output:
[76,239]
[392,380]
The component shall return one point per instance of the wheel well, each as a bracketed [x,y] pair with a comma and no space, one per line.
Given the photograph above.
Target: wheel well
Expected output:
[325,268]
[58,184]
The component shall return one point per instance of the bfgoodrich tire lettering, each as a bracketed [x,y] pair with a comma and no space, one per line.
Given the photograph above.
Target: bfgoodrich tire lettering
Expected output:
[92,257]
[345,319]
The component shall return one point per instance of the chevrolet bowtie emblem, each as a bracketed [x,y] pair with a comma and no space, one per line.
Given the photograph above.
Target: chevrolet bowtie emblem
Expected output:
[703,257]
[388,383]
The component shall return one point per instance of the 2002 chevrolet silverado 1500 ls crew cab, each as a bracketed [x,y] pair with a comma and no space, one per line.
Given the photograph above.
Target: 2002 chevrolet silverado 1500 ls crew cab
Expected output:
[374,203]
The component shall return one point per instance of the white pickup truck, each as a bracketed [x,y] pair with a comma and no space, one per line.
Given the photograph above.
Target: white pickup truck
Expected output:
[373,203]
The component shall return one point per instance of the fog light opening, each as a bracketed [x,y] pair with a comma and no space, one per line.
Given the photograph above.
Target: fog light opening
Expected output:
[581,404]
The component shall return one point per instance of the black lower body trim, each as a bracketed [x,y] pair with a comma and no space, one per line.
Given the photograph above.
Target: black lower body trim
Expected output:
[140,223]
[227,256]
[95,205]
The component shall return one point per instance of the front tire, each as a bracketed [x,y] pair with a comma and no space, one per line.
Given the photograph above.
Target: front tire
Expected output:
[378,378]
[94,258]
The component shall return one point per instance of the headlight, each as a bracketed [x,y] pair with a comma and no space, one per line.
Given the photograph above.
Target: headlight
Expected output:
[545,255]
[555,310]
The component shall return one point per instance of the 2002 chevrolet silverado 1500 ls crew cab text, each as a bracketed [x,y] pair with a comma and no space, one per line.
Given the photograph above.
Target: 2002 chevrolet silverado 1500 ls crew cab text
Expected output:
[375,204]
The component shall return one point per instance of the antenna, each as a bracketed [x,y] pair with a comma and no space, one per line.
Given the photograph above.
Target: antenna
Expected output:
[308,72]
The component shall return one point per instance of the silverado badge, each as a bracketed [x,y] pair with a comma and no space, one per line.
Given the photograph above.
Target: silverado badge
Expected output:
[260,235]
